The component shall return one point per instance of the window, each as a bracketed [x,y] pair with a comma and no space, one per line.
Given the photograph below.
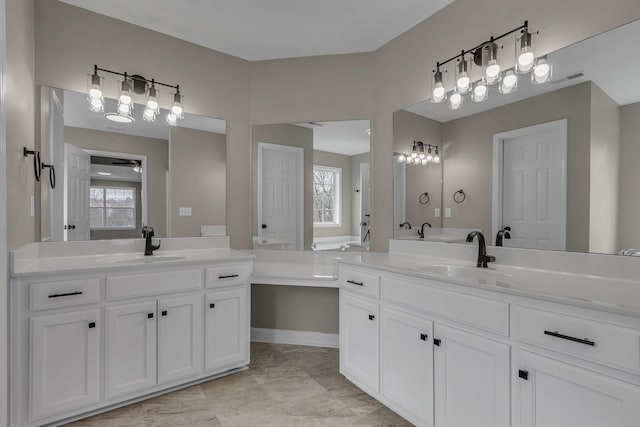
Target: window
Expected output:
[112,208]
[326,196]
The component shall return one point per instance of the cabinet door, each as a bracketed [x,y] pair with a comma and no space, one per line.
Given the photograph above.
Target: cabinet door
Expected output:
[360,341]
[65,368]
[471,376]
[227,330]
[179,337]
[407,365]
[549,393]
[131,348]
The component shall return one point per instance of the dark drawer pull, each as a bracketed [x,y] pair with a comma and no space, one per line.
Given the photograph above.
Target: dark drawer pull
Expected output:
[212,305]
[149,315]
[584,341]
[230,276]
[164,312]
[436,341]
[523,375]
[353,282]
[92,325]
[65,295]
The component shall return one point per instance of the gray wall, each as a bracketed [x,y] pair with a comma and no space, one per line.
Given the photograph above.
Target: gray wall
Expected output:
[294,308]
[197,169]
[629,225]
[468,158]
[322,158]
[121,234]
[294,136]
[157,152]
[408,127]
[605,173]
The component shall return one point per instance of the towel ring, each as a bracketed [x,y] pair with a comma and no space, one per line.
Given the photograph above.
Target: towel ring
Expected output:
[461,198]
[424,198]
[52,174]
[37,164]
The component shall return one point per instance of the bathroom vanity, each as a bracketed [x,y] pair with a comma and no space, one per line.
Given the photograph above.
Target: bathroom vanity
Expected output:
[97,325]
[445,343]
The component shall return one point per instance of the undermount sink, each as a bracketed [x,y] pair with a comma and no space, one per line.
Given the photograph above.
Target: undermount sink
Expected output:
[466,272]
[149,259]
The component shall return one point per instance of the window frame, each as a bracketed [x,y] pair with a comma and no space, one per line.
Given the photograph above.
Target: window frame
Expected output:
[104,208]
[337,171]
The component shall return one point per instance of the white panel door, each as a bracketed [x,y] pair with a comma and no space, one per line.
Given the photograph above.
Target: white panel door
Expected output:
[549,393]
[65,368]
[534,183]
[226,329]
[279,192]
[131,348]
[179,338]
[407,364]
[360,341]
[77,181]
[471,376]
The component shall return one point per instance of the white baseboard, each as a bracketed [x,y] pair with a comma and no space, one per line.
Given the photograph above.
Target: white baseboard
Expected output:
[284,336]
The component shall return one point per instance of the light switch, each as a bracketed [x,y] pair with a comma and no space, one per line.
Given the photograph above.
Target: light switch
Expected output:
[185,212]
[436,212]
[447,212]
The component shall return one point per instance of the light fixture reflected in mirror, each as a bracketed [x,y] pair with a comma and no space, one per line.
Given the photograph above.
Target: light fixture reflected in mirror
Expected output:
[95,98]
[455,100]
[491,66]
[118,118]
[524,52]
[509,82]
[438,91]
[480,91]
[542,71]
[419,154]
[463,82]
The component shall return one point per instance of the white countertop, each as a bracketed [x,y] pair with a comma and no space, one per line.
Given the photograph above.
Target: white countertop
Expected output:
[603,293]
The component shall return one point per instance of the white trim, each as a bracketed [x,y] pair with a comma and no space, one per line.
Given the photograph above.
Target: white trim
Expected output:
[4,274]
[143,186]
[284,336]
[300,187]
[498,168]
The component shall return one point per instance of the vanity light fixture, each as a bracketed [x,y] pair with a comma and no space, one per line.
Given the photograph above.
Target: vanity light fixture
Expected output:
[487,56]
[129,86]
[418,155]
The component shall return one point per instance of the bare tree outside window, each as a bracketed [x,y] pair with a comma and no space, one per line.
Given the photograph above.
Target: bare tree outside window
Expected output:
[326,195]
[112,208]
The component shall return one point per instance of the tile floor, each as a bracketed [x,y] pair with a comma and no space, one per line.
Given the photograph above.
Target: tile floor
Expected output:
[286,386]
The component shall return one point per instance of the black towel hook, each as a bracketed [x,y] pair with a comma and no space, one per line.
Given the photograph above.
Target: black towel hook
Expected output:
[52,174]
[424,198]
[37,164]
[461,198]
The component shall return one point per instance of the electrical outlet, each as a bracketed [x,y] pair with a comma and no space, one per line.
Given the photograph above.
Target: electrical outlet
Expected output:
[184,212]
[436,212]
[447,212]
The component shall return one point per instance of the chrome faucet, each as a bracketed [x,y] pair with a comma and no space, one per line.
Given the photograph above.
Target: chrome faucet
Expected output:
[407,224]
[503,233]
[483,258]
[421,231]
[149,247]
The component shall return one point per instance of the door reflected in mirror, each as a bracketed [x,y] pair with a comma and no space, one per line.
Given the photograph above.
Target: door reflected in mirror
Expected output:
[114,178]
[312,186]
[549,166]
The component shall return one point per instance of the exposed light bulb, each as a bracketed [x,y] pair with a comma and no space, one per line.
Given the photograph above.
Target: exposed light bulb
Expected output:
[97,105]
[436,159]
[525,62]
[425,161]
[480,92]
[177,109]
[152,99]
[455,101]
[524,52]
[137,169]
[509,83]
[95,92]
[124,109]
[149,115]
[125,94]
[171,119]
[541,72]
[493,72]
[422,155]
[401,158]
[409,160]
[439,93]
[96,101]
[463,82]
[490,61]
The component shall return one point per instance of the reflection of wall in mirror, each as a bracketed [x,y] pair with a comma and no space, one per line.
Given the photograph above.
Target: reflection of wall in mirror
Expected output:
[629,226]
[356,199]
[157,153]
[418,179]
[198,171]
[294,136]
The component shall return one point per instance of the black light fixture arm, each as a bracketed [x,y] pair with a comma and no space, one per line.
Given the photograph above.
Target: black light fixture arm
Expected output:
[135,77]
[491,40]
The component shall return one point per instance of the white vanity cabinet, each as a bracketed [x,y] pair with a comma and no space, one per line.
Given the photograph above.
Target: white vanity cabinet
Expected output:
[82,342]
[65,364]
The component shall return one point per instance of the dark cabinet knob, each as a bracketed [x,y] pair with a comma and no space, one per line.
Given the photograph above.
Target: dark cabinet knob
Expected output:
[150,316]
[264,226]
[73,227]
[164,312]
[92,325]
[524,375]
[372,317]
[424,337]
[212,305]
[436,341]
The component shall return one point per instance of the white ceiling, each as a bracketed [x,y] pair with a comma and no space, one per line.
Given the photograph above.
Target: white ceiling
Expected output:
[118,173]
[607,59]
[258,29]
[348,137]
[77,114]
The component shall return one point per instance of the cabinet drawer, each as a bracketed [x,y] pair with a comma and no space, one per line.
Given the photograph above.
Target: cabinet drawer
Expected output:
[64,294]
[612,345]
[226,275]
[484,313]
[359,281]
[136,285]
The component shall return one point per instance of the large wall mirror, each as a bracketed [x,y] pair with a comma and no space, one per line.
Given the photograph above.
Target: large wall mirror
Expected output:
[112,178]
[311,185]
[555,164]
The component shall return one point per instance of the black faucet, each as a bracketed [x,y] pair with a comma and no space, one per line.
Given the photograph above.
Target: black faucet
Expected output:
[149,247]
[483,258]
[421,231]
[407,224]
[503,233]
